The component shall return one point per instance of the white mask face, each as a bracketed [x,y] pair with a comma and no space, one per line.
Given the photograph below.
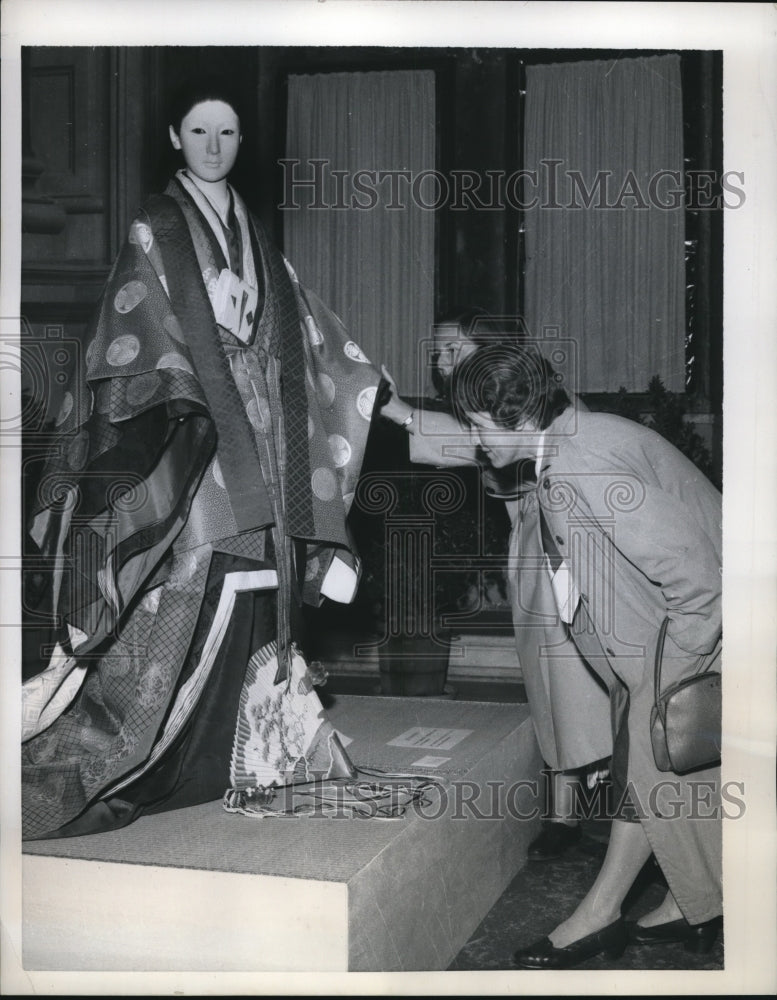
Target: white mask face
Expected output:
[209,140]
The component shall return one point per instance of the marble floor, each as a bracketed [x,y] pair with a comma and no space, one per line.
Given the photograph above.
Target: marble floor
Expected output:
[543,893]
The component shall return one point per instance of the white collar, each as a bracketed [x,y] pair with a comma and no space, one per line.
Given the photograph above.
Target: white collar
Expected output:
[221,211]
[540,455]
[209,211]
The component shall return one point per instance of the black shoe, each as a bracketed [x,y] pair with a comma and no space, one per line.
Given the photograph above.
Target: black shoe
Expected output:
[611,940]
[698,938]
[553,841]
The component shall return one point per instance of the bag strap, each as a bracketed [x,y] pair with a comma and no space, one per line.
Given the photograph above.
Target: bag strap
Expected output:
[659,658]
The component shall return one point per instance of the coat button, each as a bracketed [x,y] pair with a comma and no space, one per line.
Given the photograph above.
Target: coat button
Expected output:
[546,484]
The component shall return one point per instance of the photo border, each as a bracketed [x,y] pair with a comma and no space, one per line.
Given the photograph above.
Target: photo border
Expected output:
[745,33]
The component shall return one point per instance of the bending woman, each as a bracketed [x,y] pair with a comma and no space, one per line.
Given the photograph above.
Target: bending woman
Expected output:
[632,533]
[208,454]
[569,703]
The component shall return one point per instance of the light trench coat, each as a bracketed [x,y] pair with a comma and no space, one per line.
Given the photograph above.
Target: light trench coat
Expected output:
[640,528]
[569,705]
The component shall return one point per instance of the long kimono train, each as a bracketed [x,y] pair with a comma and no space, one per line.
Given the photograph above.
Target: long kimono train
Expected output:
[206,462]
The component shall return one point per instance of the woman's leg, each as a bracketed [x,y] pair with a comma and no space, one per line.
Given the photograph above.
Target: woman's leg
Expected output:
[663,914]
[627,852]
[563,802]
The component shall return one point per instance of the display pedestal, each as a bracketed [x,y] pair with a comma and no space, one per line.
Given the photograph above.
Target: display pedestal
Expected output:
[200,890]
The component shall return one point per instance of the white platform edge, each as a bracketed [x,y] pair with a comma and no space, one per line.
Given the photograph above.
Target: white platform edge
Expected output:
[100,916]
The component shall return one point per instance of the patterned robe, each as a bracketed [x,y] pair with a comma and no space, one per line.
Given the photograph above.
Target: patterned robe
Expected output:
[198,493]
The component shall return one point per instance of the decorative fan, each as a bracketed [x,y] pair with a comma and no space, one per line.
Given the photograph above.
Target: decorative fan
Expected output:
[288,760]
[283,735]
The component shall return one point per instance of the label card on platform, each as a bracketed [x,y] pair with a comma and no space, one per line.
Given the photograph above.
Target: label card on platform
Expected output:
[430,761]
[430,738]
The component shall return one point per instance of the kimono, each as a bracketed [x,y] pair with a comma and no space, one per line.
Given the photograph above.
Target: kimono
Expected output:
[207,457]
[639,530]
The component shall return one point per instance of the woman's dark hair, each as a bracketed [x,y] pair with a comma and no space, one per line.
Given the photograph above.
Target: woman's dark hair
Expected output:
[512,383]
[199,89]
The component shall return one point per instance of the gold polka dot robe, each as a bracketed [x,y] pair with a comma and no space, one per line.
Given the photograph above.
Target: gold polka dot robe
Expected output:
[137,496]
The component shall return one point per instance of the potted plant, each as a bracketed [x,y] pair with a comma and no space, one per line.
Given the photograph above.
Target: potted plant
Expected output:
[664,411]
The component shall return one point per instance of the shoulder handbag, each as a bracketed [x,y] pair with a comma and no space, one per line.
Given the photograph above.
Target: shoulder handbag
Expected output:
[685,721]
